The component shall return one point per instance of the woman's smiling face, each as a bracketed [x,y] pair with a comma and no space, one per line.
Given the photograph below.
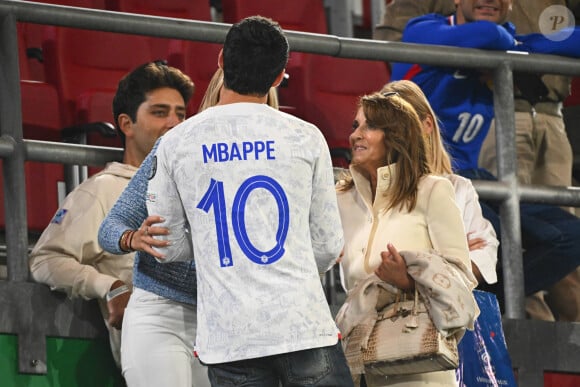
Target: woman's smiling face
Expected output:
[367,144]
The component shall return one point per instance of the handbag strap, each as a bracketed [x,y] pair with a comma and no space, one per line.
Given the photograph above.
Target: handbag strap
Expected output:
[397,302]
[413,322]
[397,309]
[416,303]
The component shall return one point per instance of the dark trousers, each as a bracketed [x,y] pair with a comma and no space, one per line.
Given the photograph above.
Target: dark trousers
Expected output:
[550,239]
[324,366]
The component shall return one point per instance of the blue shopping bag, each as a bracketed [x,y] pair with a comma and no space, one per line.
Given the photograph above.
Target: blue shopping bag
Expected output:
[483,356]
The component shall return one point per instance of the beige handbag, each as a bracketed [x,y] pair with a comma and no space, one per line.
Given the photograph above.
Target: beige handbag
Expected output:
[404,340]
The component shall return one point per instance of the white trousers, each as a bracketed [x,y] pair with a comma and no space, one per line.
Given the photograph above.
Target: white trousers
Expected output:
[157,343]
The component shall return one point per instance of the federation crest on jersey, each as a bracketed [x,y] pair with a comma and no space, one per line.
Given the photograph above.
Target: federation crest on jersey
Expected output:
[151,197]
[59,216]
[153,168]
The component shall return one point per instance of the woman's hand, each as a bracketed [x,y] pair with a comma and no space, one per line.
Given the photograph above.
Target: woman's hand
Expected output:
[393,269]
[475,243]
[143,238]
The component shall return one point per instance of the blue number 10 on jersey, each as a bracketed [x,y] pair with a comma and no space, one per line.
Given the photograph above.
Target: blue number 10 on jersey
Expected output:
[215,197]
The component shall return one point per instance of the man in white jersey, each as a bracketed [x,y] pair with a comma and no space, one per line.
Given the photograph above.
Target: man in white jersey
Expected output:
[256,187]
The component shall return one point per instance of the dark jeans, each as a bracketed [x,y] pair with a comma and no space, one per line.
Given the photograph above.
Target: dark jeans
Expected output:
[550,238]
[324,366]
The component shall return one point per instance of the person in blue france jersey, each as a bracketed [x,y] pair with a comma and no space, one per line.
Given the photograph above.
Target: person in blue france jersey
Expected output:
[256,188]
[463,101]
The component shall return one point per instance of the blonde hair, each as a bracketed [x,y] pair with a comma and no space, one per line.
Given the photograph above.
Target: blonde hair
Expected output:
[212,94]
[439,160]
[404,143]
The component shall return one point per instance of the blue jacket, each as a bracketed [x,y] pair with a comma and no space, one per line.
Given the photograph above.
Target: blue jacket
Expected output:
[175,281]
[462,98]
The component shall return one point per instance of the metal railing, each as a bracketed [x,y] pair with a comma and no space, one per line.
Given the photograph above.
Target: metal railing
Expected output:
[14,150]
[507,190]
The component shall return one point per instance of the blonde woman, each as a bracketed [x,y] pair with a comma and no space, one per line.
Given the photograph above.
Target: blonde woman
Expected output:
[214,88]
[547,256]
[481,237]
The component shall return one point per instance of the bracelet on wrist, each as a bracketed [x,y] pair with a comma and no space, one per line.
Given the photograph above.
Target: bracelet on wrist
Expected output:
[130,240]
[117,292]
[125,241]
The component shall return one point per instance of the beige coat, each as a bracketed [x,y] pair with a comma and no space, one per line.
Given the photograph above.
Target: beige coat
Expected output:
[435,223]
[68,257]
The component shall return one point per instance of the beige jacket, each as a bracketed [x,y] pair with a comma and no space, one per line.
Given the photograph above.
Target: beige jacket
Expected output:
[435,223]
[67,256]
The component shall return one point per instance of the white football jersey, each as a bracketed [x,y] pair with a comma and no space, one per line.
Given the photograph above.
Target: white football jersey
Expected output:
[255,187]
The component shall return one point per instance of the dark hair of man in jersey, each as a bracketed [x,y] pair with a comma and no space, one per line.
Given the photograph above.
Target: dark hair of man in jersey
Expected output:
[255,52]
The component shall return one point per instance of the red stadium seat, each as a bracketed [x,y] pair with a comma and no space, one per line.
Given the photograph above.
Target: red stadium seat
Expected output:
[96,4]
[86,67]
[298,15]
[574,97]
[185,9]
[41,119]
[199,61]
[34,33]
[558,379]
[331,95]
[42,198]
[42,194]
[182,9]
[366,22]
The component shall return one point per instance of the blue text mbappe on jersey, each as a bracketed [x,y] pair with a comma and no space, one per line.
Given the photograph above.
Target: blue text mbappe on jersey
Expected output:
[247,150]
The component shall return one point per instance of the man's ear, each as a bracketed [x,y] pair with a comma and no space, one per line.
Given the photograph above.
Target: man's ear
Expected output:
[279,78]
[125,124]
[221,59]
